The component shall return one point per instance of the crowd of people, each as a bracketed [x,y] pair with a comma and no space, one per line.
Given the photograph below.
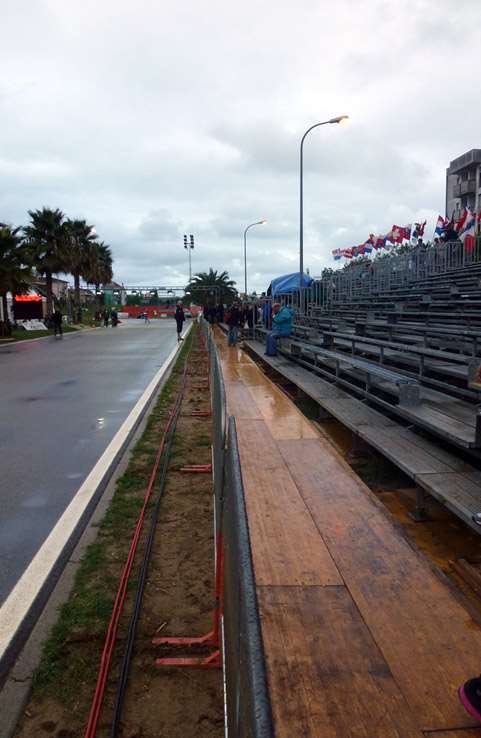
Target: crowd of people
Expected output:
[241,318]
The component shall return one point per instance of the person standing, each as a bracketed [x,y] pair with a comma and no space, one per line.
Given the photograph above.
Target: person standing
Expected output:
[179,319]
[106,317]
[233,323]
[266,314]
[57,323]
[250,320]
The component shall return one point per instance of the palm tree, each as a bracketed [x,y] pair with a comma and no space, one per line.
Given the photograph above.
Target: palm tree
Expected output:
[80,236]
[47,237]
[99,266]
[210,287]
[15,271]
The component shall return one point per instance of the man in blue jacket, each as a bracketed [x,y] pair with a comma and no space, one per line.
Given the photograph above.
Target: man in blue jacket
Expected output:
[281,326]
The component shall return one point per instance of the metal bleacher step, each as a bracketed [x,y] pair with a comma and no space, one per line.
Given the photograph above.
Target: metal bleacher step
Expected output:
[437,471]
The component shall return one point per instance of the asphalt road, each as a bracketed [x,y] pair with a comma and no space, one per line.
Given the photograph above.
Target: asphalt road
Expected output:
[61,403]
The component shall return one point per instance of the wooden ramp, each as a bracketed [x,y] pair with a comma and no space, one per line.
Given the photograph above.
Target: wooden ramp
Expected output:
[363,638]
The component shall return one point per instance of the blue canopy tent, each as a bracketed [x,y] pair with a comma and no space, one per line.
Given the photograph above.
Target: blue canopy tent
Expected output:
[287,284]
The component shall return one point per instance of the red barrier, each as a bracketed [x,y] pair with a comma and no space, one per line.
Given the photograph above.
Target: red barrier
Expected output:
[157,311]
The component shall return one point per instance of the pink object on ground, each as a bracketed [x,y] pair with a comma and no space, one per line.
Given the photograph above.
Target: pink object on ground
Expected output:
[467,704]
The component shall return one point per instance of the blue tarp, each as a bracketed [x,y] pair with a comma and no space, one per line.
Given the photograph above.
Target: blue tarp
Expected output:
[288,283]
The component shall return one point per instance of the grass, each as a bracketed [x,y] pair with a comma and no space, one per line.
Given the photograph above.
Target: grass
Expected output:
[83,619]
[20,334]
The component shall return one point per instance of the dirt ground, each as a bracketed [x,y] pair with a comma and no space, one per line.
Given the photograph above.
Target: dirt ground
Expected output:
[178,600]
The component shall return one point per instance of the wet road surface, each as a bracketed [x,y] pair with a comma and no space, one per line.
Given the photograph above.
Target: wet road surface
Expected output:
[61,403]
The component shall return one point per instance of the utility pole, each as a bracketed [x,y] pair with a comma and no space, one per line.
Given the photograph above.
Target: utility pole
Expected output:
[189,245]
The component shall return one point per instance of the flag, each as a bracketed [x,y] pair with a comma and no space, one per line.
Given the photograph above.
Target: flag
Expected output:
[400,233]
[460,224]
[336,254]
[379,242]
[441,224]
[418,230]
[466,229]
[347,253]
[450,229]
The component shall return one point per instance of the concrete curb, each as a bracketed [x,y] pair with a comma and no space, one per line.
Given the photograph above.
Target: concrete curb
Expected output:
[21,664]
[76,332]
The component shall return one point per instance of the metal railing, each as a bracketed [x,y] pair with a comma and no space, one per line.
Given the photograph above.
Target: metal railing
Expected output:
[387,275]
[248,704]
[248,708]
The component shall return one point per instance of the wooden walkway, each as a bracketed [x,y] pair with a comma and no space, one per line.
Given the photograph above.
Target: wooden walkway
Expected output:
[363,638]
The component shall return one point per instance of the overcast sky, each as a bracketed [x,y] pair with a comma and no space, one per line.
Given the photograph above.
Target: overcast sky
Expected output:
[163,117]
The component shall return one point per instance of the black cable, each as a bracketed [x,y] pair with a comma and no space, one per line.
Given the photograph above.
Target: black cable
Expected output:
[125,666]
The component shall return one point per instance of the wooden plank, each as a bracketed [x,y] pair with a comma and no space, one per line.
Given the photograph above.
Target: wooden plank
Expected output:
[403,451]
[454,462]
[438,421]
[355,414]
[250,374]
[286,545]
[312,385]
[427,638]
[240,402]
[326,676]
[282,417]
[456,487]
[470,733]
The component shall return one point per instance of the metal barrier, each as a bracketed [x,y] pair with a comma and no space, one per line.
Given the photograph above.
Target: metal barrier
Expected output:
[248,705]
[383,275]
[247,701]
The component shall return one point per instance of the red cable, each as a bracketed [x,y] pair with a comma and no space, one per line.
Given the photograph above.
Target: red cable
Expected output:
[120,597]
[111,634]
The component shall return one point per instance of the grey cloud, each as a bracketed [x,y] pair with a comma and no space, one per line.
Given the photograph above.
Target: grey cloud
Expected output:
[175,117]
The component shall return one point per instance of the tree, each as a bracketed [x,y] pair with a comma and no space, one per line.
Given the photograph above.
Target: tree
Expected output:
[99,268]
[47,238]
[15,271]
[79,237]
[210,288]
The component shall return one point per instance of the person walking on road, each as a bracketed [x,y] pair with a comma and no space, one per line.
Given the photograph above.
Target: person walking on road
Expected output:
[233,322]
[57,323]
[179,319]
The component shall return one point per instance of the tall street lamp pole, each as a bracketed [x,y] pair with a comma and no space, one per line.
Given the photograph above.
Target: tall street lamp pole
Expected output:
[301,207]
[189,245]
[258,222]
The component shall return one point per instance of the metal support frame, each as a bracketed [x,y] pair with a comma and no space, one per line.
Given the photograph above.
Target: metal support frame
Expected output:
[212,660]
[420,512]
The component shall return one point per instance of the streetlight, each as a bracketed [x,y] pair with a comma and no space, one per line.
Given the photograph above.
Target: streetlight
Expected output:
[189,246]
[258,222]
[301,208]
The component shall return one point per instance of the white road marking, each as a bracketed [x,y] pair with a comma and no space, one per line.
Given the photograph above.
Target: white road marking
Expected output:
[18,603]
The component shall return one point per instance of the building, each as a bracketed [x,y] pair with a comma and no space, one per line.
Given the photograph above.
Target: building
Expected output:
[463,184]
[59,287]
[114,293]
